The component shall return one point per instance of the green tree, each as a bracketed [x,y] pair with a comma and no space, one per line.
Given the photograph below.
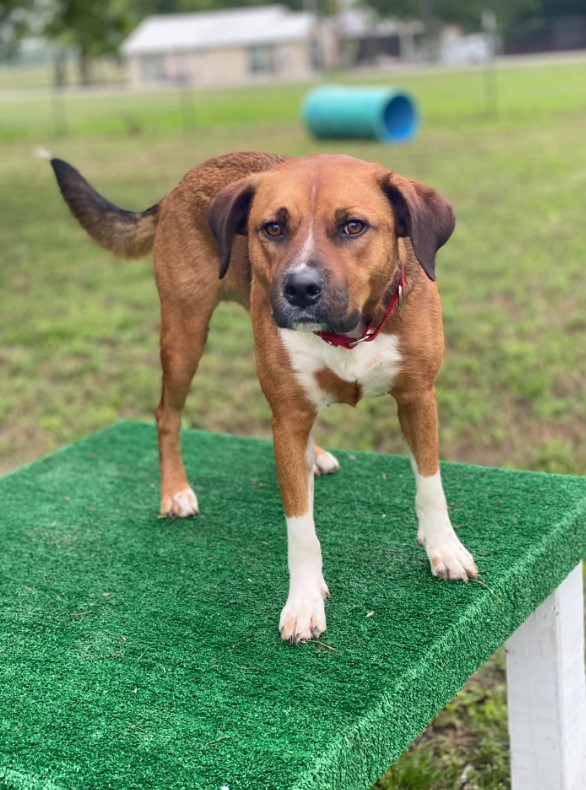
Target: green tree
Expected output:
[147,7]
[466,13]
[563,8]
[14,24]
[93,27]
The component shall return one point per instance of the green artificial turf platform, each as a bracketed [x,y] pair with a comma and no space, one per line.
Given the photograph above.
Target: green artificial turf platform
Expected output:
[138,652]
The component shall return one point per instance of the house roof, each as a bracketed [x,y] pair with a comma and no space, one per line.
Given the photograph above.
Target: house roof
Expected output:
[218,30]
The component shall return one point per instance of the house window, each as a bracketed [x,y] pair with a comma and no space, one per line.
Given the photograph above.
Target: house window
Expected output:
[153,68]
[261,60]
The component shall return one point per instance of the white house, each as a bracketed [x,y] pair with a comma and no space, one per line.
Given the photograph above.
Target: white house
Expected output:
[224,47]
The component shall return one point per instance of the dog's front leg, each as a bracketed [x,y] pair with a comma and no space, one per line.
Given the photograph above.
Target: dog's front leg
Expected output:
[303,616]
[448,558]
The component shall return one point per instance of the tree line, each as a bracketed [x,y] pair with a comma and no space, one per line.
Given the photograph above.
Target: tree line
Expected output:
[98,27]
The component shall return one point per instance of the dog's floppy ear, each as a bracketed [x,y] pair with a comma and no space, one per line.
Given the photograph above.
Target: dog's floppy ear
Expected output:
[422,214]
[228,215]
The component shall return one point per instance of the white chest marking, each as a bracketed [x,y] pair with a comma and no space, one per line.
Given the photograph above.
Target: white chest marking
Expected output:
[374,366]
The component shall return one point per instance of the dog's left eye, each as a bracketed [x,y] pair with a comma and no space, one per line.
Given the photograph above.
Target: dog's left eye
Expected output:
[273,229]
[354,228]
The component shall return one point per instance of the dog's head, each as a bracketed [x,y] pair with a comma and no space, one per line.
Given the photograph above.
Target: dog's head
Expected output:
[323,235]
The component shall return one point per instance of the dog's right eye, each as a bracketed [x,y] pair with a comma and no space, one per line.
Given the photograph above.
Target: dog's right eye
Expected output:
[273,230]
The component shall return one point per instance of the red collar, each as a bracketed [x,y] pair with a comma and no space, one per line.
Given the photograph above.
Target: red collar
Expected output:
[369,334]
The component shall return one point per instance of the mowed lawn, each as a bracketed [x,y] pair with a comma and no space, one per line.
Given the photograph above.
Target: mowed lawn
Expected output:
[78,329]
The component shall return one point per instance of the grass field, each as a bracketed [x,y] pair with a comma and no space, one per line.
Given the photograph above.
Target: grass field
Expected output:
[78,329]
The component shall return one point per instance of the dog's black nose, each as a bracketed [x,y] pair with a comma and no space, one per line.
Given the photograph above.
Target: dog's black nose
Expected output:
[303,287]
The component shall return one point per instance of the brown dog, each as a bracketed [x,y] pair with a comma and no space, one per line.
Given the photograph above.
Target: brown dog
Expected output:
[334,257]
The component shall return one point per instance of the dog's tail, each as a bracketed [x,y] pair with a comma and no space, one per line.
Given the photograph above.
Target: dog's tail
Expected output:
[127,234]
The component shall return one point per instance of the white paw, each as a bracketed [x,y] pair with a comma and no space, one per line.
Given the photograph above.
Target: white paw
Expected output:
[304,615]
[450,559]
[181,505]
[325,464]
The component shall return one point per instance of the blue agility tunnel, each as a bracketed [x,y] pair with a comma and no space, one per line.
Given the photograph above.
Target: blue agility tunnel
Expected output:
[386,114]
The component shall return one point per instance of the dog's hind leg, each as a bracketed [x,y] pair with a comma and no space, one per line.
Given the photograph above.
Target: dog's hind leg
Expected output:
[183,337]
[324,463]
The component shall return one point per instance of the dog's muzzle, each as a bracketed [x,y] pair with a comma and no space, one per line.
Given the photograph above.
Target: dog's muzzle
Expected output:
[303,288]
[306,298]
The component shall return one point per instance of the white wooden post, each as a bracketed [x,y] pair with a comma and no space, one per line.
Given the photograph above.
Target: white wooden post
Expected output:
[547,694]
